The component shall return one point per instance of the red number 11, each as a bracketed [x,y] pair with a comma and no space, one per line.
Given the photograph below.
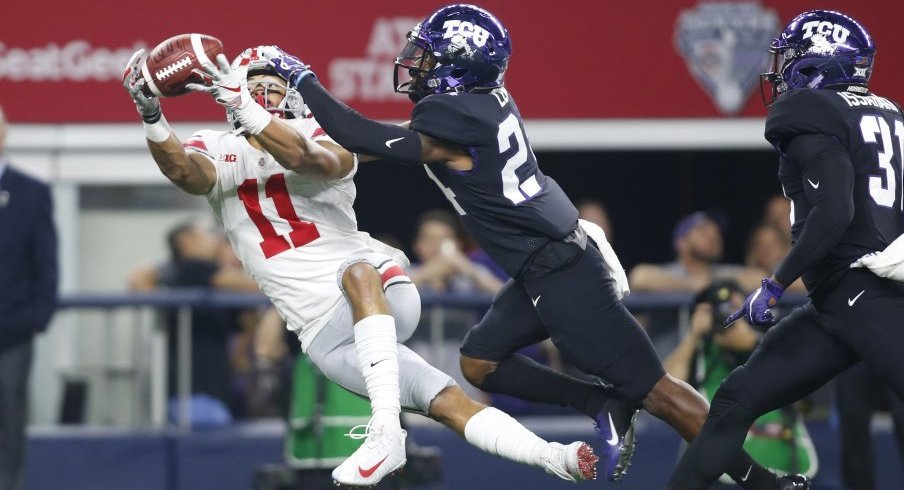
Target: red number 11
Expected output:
[303,232]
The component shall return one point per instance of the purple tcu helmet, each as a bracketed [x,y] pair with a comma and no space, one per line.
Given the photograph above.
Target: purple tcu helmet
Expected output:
[819,49]
[458,48]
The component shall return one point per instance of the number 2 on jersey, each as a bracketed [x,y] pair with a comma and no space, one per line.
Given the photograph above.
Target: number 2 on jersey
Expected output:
[512,188]
[870,126]
[303,232]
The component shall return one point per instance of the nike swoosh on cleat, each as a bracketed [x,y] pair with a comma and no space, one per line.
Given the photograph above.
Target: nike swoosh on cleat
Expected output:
[748,474]
[853,300]
[614,439]
[390,142]
[370,471]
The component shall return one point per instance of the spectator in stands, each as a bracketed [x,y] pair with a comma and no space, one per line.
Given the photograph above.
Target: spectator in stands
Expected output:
[777,212]
[594,212]
[698,246]
[28,296]
[708,353]
[767,247]
[442,265]
[859,393]
[197,259]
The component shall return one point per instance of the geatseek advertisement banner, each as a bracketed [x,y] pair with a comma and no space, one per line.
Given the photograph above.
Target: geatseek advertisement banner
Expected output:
[583,59]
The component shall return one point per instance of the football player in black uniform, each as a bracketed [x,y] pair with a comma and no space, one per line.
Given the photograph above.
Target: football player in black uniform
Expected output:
[841,150]
[467,133]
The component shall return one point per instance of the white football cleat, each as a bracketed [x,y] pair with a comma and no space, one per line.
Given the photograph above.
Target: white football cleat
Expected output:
[382,453]
[574,462]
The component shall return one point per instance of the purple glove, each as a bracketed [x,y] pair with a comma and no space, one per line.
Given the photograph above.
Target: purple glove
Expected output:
[756,309]
[290,67]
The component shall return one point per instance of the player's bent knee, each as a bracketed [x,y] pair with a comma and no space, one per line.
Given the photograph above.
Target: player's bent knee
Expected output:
[476,370]
[735,384]
[360,276]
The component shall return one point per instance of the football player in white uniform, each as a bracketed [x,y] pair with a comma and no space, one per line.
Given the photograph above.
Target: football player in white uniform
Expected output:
[283,190]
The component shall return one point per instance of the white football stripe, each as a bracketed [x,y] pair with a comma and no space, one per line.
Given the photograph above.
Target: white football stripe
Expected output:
[149,79]
[198,47]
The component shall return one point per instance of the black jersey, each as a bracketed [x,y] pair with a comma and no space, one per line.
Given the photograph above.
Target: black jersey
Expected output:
[871,128]
[505,202]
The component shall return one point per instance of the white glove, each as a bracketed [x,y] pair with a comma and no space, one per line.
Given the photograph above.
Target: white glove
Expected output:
[148,106]
[612,263]
[227,86]
[888,263]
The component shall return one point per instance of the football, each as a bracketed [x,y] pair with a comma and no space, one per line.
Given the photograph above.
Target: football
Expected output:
[168,68]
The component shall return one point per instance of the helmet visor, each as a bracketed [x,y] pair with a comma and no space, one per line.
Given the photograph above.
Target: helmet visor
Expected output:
[412,67]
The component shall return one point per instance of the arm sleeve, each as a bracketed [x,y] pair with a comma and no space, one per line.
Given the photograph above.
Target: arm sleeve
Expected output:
[825,161]
[357,133]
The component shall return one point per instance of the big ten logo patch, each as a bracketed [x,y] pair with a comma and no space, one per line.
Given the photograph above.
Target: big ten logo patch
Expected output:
[465,29]
[370,78]
[227,157]
[839,33]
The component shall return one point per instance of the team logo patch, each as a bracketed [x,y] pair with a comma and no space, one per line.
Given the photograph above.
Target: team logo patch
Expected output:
[724,45]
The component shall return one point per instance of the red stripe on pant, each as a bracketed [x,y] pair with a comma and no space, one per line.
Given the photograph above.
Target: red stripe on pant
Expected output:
[391,272]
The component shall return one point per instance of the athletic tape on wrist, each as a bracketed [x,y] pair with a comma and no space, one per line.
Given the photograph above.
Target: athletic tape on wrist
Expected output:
[253,117]
[159,131]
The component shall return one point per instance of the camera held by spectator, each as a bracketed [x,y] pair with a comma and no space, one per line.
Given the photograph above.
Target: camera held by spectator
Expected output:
[709,352]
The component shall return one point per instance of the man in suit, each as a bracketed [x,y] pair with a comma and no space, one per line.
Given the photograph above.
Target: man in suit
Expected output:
[28,295]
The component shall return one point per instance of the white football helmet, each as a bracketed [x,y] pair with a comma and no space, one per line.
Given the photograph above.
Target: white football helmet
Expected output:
[255,62]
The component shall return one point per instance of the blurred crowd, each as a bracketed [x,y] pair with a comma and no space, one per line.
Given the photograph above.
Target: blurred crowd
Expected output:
[242,359]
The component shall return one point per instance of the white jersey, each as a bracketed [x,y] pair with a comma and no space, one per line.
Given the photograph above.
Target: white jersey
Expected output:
[291,234]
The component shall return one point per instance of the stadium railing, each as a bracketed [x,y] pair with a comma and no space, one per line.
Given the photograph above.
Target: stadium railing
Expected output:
[184,300]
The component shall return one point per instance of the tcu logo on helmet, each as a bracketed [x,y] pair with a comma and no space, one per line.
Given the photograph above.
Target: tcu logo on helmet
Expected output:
[478,34]
[839,33]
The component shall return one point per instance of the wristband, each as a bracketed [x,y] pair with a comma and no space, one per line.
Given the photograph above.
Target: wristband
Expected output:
[298,77]
[253,117]
[159,131]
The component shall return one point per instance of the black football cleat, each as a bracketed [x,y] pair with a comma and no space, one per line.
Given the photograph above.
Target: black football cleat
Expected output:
[793,482]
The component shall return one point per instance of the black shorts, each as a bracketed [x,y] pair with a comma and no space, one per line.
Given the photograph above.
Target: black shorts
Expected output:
[568,296]
[862,318]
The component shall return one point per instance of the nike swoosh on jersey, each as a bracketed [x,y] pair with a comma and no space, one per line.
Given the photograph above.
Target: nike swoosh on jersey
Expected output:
[370,471]
[537,300]
[853,300]
[815,185]
[748,474]
[390,142]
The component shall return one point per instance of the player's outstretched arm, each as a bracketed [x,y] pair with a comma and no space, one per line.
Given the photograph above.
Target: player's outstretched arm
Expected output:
[356,132]
[191,173]
[320,160]
[291,149]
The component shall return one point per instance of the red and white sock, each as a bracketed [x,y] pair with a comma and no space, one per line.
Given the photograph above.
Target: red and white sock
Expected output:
[378,358]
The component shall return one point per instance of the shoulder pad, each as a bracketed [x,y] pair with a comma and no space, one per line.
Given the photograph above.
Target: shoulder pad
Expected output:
[447,117]
[806,111]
